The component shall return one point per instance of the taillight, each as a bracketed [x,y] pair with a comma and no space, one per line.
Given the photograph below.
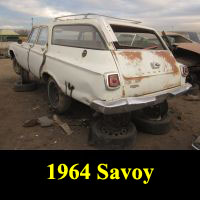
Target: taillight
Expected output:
[112,81]
[184,70]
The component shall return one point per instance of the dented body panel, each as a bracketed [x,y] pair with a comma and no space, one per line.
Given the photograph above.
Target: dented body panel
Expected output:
[146,76]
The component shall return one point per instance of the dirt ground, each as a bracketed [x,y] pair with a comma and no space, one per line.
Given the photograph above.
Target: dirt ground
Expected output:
[16,108]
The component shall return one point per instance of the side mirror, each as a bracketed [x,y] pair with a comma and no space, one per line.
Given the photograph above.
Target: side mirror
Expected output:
[19,41]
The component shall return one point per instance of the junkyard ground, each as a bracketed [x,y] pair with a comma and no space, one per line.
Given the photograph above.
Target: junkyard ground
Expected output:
[16,107]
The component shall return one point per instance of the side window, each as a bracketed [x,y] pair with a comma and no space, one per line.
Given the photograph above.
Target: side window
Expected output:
[81,36]
[87,36]
[43,36]
[33,36]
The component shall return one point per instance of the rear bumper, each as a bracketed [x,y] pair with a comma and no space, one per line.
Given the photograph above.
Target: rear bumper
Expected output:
[136,103]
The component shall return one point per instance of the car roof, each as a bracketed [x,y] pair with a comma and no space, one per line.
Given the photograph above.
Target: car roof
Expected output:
[93,19]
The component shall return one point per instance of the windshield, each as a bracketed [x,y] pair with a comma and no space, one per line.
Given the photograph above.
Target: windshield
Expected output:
[136,38]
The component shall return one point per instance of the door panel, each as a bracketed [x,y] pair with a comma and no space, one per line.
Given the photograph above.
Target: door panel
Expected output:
[24,49]
[36,55]
[36,59]
[22,54]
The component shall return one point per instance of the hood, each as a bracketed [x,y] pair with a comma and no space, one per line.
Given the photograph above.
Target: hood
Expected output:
[194,47]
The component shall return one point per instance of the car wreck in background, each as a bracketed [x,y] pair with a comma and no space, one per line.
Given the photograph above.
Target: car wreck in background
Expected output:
[194,36]
[6,38]
[186,52]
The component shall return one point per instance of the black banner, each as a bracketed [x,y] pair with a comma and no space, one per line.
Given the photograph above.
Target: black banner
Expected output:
[100,167]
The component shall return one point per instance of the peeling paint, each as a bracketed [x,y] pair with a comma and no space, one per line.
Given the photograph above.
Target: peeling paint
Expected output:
[123,92]
[170,59]
[138,75]
[131,55]
[136,79]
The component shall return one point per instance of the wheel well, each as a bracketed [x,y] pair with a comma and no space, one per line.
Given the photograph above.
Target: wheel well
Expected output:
[45,77]
[12,55]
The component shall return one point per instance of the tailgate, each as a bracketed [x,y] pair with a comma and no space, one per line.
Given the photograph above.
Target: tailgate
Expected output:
[144,72]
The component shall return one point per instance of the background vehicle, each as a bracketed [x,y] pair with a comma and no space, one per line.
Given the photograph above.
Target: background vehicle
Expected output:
[194,36]
[186,52]
[7,37]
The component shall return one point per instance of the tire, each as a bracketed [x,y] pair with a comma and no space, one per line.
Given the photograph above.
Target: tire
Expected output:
[194,90]
[58,101]
[25,76]
[155,127]
[19,87]
[16,67]
[107,141]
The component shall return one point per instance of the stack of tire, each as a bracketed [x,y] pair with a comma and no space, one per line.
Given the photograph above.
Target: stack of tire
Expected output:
[150,122]
[153,120]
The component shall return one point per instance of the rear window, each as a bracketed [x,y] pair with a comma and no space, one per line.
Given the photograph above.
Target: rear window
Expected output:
[82,36]
[136,38]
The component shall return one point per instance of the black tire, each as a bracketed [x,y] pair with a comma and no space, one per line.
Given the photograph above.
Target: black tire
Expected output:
[16,67]
[194,90]
[107,141]
[19,87]
[58,101]
[25,76]
[155,127]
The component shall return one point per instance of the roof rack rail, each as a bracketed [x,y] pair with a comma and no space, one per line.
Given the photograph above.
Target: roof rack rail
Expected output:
[87,15]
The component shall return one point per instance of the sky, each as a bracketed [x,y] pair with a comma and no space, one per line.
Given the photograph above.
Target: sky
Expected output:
[160,14]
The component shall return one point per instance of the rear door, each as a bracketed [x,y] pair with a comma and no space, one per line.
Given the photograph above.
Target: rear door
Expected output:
[37,52]
[146,65]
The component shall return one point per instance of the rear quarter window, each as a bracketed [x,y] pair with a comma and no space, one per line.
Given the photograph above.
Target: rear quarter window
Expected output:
[136,38]
[81,36]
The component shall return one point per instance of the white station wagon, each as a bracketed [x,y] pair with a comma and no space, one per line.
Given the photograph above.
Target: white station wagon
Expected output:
[112,65]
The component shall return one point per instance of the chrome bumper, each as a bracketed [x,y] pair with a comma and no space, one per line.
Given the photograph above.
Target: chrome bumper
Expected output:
[136,103]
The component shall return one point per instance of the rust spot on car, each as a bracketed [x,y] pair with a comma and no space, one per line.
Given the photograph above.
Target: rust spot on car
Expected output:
[170,59]
[123,92]
[131,55]
[136,79]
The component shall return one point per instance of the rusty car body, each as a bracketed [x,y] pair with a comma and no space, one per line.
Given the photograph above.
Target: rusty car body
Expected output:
[186,52]
[89,62]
